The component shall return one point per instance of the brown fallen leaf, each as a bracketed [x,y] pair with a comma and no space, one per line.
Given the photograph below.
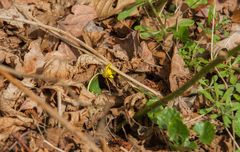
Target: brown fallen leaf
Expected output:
[133,102]
[231,41]
[236,16]
[74,23]
[146,54]
[230,5]
[179,73]
[6,3]
[64,52]
[12,11]
[10,125]
[58,69]
[107,8]
[34,59]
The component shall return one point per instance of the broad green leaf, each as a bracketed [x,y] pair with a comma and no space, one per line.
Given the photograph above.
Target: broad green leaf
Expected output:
[185,23]
[228,94]
[226,121]
[195,3]
[94,86]
[233,79]
[126,13]
[206,131]
[177,131]
[205,110]
[237,97]
[166,116]
[207,95]
[236,123]
[237,86]
[190,144]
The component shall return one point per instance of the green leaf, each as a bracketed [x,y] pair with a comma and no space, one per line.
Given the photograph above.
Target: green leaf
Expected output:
[190,144]
[237,86]
[207,95]
[236,123]
[226,121]
[237,97]
[233,79]
[126,13]
[228,94]
[177,131]
[166,116]
[206,131]
[93,85]
[185,23]
[195,3]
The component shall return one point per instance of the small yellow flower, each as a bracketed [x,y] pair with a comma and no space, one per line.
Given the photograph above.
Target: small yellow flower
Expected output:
[108,73]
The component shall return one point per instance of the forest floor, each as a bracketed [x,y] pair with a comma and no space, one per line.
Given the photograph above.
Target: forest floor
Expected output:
[79,75]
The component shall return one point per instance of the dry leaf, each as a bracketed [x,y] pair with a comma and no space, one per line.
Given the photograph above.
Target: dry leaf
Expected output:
[179,73]
[10,13]
[64,52]
[231,41]
[58,69]
[6,3]
[236,16]
[9,126]
[85,59]
[84,74]
[133,102]
[74,23]
[146,54]
[227,4]
[34,59]
[107,8]
[130,44]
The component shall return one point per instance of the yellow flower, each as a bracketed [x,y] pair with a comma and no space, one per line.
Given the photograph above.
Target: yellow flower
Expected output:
[108,73]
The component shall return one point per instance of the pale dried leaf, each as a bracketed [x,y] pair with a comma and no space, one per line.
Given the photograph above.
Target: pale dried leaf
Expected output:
[86,59]
[34,59]
[133,102]
[179,73]
[74,23]
[107,8]
[64,53]
[10,13]
[53,136]
[119,53]
[10,58]
[84,74]
[231,41]
[6,3]
[11,92]
[58,69]
[146,54]
[227,4]
[9,126]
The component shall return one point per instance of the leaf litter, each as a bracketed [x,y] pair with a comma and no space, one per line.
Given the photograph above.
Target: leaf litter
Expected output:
[155,63]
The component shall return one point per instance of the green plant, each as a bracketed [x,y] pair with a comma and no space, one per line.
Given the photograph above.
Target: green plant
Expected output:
[170,120]
[221,87]
[195,3]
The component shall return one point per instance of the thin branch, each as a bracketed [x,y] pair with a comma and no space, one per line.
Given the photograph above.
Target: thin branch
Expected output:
[49,110]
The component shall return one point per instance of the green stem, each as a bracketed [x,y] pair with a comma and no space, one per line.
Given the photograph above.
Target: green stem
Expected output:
[187,85]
